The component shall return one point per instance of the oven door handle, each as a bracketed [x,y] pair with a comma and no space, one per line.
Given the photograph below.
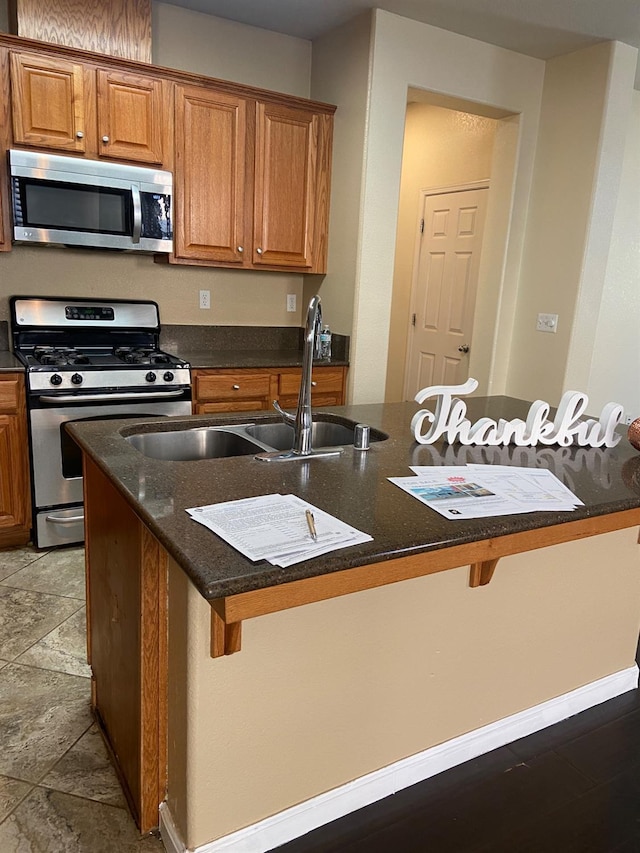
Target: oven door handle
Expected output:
[114,398]
[64,519]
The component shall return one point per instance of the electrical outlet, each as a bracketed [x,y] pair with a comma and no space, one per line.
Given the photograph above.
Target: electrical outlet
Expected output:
[291,302]
[205,299]
[628,419]
[547,323]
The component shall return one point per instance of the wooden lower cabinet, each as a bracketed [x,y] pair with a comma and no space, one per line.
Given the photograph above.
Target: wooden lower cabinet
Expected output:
[127,643]
[15,500]
[251,390]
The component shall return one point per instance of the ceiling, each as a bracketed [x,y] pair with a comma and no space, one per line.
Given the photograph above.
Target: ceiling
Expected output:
[540,28]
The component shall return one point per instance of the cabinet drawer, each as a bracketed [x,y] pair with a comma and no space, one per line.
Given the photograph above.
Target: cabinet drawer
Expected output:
[232,406]
[325,380]
[230,386]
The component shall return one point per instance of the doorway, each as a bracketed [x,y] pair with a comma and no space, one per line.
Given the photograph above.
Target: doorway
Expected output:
[445,280]
[444,149]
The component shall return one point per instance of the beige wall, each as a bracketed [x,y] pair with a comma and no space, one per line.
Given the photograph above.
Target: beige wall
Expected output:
[211,46]
[302,709]
[237,298]
[408,54]
[340,74]
[563,220]
[216,47]
[617,342]
[442,148]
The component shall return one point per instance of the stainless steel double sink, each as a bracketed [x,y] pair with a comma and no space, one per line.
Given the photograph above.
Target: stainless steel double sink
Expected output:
[216,442]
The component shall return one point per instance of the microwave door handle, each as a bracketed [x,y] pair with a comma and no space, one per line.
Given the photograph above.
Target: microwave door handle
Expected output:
[137,214]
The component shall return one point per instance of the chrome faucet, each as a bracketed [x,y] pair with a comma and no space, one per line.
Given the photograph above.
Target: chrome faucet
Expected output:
[302,421]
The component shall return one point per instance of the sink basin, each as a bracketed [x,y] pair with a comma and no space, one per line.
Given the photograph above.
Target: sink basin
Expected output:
[219,442]
[279,436]
[192,444]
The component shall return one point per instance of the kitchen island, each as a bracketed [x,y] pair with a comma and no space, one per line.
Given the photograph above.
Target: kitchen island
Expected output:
[403,659]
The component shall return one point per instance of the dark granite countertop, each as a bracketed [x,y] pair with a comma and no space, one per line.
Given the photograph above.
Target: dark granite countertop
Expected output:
[353,487]
[9,363]
[275,359]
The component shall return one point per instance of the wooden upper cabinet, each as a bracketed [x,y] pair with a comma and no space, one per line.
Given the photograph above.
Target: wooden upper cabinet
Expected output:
[48,99]
[78,108]
[251,182]
[130,110]
[210,175]
[285,187]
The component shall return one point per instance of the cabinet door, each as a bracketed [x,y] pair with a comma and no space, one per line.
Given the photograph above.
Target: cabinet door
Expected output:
[285,185]
[210,175]
[130,113]
[49,100]
[15,502]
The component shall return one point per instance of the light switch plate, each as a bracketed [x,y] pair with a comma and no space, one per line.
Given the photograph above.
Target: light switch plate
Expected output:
[547,323]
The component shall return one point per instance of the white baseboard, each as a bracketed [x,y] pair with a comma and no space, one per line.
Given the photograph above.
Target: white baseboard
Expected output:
[278,829]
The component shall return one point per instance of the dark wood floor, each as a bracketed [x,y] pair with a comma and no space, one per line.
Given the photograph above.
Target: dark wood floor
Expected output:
[571,788]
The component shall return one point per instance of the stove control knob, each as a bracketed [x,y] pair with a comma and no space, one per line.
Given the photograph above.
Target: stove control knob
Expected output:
[150,377]
[76,379]
[56,379]
[168,377]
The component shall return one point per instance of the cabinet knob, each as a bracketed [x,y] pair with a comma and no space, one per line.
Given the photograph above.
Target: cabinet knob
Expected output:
[259,251]
[236,387]
[79,134]
[314,384]
[241,249]
[105,139]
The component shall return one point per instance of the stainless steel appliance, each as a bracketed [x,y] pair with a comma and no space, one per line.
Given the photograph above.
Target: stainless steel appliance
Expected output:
[86,359]
[61,199]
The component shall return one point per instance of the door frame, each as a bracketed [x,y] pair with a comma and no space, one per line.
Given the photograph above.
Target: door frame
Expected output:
[422,196]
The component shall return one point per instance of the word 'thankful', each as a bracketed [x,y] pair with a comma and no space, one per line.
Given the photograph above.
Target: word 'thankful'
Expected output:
[567,427]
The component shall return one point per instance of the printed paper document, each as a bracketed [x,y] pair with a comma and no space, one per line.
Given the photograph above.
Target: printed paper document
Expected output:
[275,528]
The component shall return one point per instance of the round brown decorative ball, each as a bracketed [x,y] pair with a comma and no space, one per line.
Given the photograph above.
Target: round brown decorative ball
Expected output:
[633,433]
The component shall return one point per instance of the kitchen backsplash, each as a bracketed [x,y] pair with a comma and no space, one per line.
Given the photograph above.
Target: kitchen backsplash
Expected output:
[175,338]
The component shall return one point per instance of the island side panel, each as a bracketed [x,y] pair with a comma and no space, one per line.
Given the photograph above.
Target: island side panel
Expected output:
[126,578]
[325,693]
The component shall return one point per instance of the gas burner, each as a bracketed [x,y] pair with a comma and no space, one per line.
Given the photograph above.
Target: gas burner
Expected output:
[59,357]
[141,355]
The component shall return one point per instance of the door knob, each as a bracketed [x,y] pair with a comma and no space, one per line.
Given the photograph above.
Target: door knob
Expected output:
[463,348]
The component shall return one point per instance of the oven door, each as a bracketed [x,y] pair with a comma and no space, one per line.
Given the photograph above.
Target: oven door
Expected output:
[56,468]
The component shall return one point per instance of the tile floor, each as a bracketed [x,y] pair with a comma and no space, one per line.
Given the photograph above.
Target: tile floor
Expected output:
[58,790]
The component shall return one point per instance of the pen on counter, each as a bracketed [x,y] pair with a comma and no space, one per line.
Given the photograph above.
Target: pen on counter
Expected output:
[311,524]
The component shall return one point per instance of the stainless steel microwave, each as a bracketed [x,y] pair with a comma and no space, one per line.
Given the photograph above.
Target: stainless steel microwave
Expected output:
[74,202]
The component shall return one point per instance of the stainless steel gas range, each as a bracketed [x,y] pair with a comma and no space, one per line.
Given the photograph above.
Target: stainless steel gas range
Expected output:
[86,359]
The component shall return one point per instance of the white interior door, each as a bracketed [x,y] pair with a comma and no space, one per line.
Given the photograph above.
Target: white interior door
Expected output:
[444,289]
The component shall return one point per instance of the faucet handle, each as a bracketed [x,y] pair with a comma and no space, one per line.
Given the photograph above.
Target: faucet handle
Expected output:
[286,416]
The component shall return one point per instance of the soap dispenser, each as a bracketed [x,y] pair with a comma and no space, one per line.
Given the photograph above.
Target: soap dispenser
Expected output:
[325,343]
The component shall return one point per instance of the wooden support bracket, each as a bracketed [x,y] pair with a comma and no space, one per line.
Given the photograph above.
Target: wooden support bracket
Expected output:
[226,638]
[482,572]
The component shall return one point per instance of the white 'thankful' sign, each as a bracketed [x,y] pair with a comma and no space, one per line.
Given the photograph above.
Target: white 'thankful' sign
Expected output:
[450,421]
